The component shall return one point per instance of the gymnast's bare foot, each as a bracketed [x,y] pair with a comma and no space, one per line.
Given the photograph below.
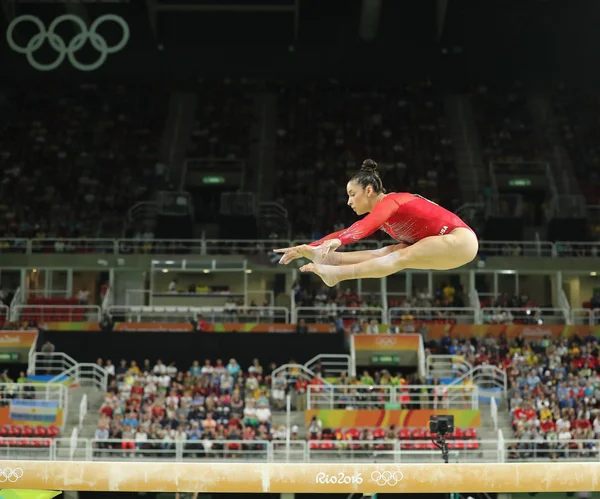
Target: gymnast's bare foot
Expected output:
[325,272]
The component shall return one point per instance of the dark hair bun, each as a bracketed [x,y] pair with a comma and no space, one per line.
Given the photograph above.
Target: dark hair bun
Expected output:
[368,166]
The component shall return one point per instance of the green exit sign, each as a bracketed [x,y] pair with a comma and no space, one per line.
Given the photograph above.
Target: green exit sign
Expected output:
[213,179]
[519,182]
[9,356]
[385,360]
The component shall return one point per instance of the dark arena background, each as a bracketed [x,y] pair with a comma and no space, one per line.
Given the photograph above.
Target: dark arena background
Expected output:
[155,153]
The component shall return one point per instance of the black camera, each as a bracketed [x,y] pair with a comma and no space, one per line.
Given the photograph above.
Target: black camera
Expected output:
[442,425]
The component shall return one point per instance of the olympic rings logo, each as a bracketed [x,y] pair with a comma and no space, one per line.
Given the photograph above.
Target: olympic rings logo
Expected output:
[385,342]
[390,478]
[10,475]
[61,47]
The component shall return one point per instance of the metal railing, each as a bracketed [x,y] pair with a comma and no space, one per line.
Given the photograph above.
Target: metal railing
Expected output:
[83,409]
[585,316]
[54,392]
[57,313]
[446,366]
[484,376]
[331,365]
[298,451]
[322,314]
[460,315]
[406,396]
[284,315]
[494,412]
[268,315]
[532,316]
[203,247]
[62,367]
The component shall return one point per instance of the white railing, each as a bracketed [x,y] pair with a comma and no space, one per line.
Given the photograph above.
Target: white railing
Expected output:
[544,450]
[83,409]
[484,376]
[284,315]
[516,248]
[73,443]
[17,300]
[577,249]
[293,372]
[460,315]
[531,316]
[494,412]
[57,313]
[323,314]
[585,316]
[267,315]
[378,450]
[107,300]
[52,392]
[446,366]
[331,365]
[203,247]
[63,367]
[407,396]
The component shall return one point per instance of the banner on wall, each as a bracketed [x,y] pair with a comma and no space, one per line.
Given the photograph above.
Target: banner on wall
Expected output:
[418,418]
[15,345]
[436,331]
[37,411]
[185,327]
[6,419]
[385,349]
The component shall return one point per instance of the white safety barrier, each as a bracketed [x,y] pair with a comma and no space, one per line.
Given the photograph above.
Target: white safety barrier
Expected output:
[381,450]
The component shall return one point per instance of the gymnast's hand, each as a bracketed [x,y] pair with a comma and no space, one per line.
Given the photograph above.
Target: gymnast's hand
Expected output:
[317,254]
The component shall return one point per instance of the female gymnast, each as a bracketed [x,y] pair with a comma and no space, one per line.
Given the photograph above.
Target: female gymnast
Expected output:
[430,237]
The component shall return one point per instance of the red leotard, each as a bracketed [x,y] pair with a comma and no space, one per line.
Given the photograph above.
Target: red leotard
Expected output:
[408,218]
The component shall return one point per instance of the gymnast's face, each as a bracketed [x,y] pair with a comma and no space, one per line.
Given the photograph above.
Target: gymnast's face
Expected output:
[359,199]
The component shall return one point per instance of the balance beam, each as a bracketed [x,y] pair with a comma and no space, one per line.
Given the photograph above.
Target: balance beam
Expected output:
[234,476]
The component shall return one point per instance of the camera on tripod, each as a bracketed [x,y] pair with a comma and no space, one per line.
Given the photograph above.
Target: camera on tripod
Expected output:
[442,425]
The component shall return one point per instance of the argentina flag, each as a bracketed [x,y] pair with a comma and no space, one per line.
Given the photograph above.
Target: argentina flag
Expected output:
[40,411]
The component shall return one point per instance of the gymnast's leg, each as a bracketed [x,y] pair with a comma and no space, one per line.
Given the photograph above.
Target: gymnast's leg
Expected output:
[350,257]
[431,253]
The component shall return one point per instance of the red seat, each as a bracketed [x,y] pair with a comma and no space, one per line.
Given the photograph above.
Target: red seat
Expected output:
[379,433]
[470,433]
[418,433]
[15,430]
[404,434]
[27,431]
[41,431]
[458,433]
[53,430]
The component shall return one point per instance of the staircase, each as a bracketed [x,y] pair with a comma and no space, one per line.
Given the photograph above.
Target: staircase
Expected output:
[86,379]
[95,398]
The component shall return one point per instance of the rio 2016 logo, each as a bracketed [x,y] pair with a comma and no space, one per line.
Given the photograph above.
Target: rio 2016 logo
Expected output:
[340,477]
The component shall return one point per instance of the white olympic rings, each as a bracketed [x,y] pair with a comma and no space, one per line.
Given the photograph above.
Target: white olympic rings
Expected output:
[59,45]
[385,342]
[10,475]
[390,478]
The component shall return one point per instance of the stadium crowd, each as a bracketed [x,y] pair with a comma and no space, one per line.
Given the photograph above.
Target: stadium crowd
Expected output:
[151,407]
[323,137]
[75,160]
[554,390]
